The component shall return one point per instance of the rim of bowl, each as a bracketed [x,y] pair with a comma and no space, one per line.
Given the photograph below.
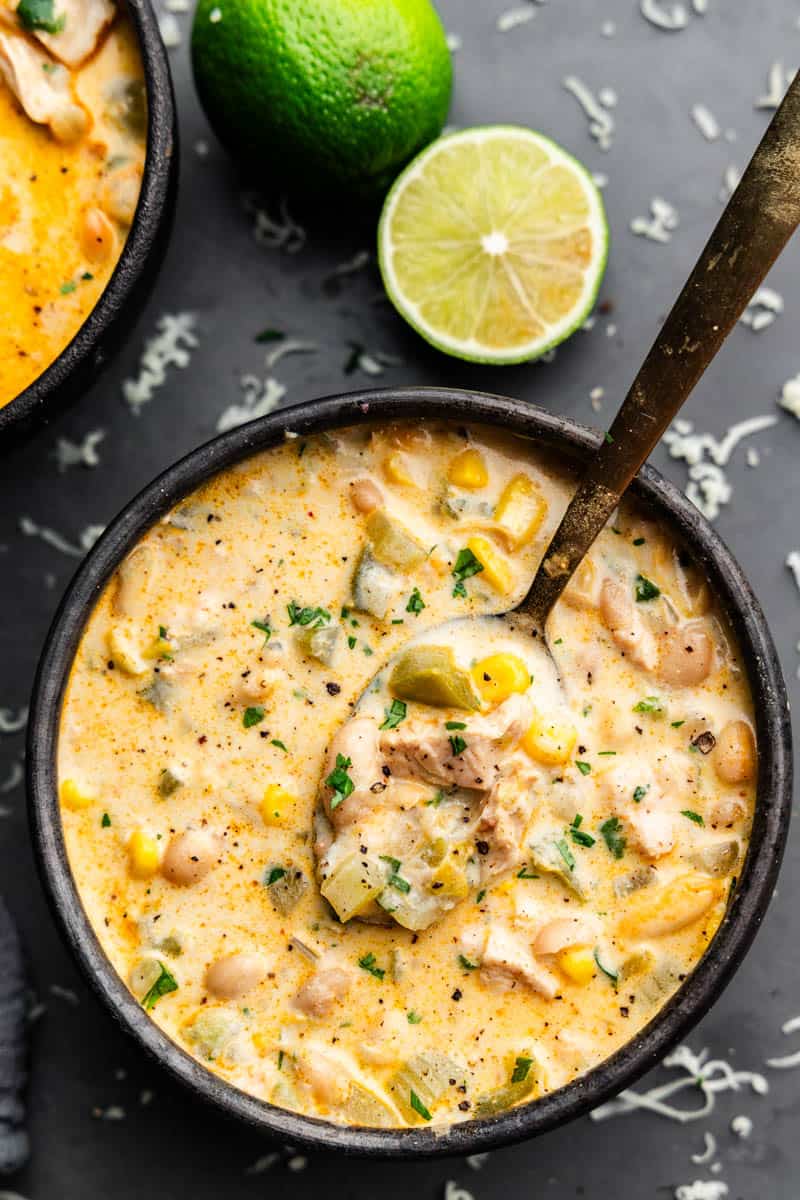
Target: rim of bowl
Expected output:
[745,911]
[154,208]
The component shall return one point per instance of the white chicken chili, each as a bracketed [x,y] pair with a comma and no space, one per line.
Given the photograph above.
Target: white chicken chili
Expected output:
[381,869]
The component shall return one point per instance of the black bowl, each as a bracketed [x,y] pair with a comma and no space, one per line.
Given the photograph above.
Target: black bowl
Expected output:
[110,321]
[746,908]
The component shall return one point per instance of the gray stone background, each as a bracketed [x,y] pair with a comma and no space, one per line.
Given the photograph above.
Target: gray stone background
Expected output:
[82,1066]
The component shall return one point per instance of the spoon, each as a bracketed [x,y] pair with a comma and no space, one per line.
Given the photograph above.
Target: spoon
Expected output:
[759,219]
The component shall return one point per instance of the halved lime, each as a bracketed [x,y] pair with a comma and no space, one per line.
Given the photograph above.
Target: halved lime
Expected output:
[493,243]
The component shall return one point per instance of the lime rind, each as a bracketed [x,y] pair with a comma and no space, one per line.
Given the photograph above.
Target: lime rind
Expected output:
[473,351]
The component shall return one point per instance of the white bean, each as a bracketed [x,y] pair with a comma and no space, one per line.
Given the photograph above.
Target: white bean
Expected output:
[190,856]
[233,976]
[735,753]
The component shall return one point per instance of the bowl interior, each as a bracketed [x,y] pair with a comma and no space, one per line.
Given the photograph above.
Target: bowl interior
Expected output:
[97,339]
[746,907]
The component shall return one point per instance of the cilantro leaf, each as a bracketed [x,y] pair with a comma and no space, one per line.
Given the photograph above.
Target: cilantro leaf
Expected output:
[368,963]
[162,987]
[693,816]
[457,744]
[253,716]
[418,1106]
[613,836]
[522,1066]
[339,781]
[646,589]
[40,14]
[415,603]
[466,566]
[394,714]
[307,616]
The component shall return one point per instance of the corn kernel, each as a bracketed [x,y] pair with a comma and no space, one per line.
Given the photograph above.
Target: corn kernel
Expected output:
[520,510]
[499,675]
[577,963]
[468,470]
[277,804]
[160,648]
[262,1043]
[124,651]
[143,854]
[497,569]
[397,469]
[73,796]
[549,742]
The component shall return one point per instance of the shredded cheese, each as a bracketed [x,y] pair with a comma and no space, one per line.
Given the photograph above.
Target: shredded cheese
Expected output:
[709,1150]
[709,488]
[13,780]
[79,454]
[790,396]
[290,346]
[281,234]
[706,122]
[793,563]
[702,1075]
[730,181]
[259,397]
[601,123]
[263,1163]
[454,42]
[702,1189]
[660,225]
[512,17]
[778,81]
[171,346]
[476,1161]
[51,537]
[63,993]
[11,722]
[789,1061]
[671,17]
[453,1192]
[742,1126]
[763,309]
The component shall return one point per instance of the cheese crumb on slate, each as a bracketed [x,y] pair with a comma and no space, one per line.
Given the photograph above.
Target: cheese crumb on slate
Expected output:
[281,233]
[13,722]
[671,17]
[259,398]
[702,1189]
[709,488]
[452,1191]
[709,1150]
[742,1126]
[778,81]
[790,396]
[52,537]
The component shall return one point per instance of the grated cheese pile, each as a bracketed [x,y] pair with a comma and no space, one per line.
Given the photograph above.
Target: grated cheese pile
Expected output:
[765,307]
[512,17]
[259,397]
[282,233]
[702,1189]
[709,488]
[778,80]
[52,537]
[790,396]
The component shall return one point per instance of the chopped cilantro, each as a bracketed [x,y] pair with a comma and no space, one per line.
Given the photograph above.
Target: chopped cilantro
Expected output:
[415,603]
[162,987]
[418,1106]
[578,835]
[457,744]
[466,964]
[280,745]
[413,1018]
[68,286]
[608,438]
[307,616]
[368,651]
[646,589]
[394,863]
[640,792]
[87,276]
[606,753]
[650,704]
[524,873]
[339,781]
[399,884]
[466,566]
[522,1066]
[639,541]
[677,724]
[692,816]
[273,874]
[612,975]
[437,799]
[455,725]
[368,963]
[480,896]
[351,641]
[269,335]
[394,714]
[265,628]
[613,836]
[253,716]
[105,821]
[583,767]
[40,14]
[565,852]
[281,1056]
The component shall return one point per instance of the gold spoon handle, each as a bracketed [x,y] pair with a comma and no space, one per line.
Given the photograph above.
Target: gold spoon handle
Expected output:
[759,219]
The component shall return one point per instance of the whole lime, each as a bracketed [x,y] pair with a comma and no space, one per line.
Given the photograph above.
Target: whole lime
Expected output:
[339,93]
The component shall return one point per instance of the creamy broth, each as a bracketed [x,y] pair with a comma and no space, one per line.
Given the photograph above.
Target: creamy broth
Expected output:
[72,146]
[524,867]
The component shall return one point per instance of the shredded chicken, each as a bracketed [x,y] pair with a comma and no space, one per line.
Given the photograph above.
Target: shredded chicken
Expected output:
[42,88]
[505,818]
[634,797]
[357,740]
[507,960]
[82,25]
[627,626]
[423,748]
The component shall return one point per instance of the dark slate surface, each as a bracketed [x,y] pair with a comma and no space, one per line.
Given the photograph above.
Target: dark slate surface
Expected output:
[172,1146]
